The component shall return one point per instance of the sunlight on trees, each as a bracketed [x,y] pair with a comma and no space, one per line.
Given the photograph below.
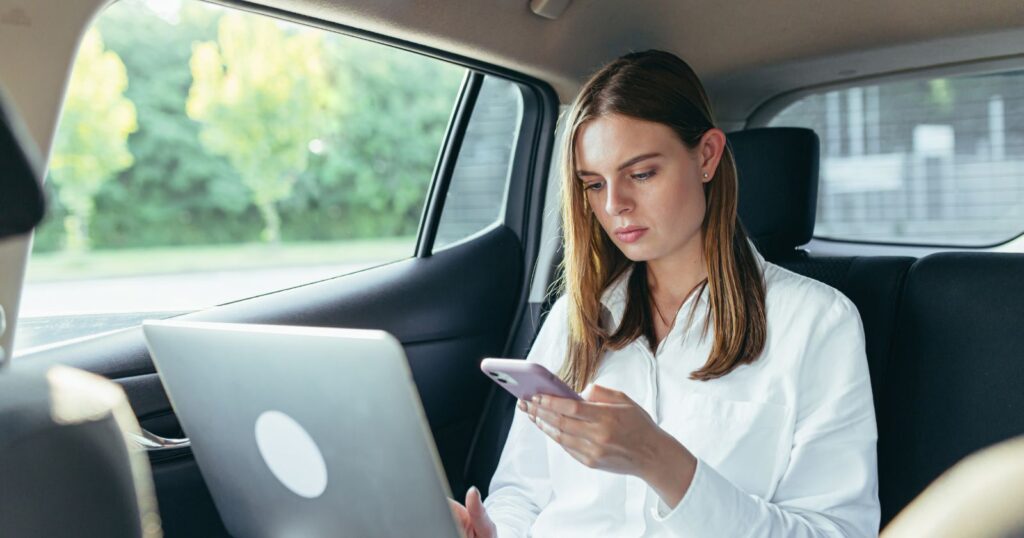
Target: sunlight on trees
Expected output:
[250,128]
[261,94]
[91,145]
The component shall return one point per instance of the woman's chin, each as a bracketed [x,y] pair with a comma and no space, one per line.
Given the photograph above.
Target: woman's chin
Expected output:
[635,253]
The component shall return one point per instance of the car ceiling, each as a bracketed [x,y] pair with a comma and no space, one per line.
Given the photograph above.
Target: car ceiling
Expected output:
[746,51]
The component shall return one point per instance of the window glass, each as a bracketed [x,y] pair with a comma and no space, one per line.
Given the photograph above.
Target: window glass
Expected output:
[206,155]
[928,161]
[476,194]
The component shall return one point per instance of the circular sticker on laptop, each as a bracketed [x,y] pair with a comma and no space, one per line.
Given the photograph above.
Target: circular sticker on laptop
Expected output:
[291,454]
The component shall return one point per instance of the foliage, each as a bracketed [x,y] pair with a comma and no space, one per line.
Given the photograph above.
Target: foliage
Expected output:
[91,145]
[377,162]
[380,124]
[262,96]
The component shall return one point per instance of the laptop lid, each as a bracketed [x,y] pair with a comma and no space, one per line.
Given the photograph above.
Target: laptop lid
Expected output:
[302,431]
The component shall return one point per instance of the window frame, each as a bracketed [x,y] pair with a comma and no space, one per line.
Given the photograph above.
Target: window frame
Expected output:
[451,148]
[513,208]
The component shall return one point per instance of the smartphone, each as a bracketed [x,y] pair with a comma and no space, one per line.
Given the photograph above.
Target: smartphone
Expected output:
[525,379]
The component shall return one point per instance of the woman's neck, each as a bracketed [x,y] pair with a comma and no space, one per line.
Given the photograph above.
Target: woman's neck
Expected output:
[672,278]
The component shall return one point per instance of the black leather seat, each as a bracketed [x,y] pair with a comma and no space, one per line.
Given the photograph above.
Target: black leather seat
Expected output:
[778,187]
[956,381]
[979,497]
[944,333]
[778,170]
[66,463]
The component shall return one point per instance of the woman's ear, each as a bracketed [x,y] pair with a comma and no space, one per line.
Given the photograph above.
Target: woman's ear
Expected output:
[711,148]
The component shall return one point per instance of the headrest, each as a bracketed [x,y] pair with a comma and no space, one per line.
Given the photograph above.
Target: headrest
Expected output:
[21,196]
[778,186]
[67,465]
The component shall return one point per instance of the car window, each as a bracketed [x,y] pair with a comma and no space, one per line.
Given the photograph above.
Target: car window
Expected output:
[477,192]
[206,155]
[935,161]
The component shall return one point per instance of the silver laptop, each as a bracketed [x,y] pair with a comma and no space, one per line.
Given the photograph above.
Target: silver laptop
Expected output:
[302,431]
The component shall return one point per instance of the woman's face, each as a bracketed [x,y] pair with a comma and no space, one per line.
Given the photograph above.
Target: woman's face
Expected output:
[645,186]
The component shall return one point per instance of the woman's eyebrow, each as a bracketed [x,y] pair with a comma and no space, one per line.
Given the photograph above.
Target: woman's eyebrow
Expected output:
[622,166]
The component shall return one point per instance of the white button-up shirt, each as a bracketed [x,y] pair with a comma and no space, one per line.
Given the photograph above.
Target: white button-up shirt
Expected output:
[785,446]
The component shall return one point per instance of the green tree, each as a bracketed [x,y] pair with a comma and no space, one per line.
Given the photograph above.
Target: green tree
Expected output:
[261,94]
[177,192]
[91,144]
[377,161]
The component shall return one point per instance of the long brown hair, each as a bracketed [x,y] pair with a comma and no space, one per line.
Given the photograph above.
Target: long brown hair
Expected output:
[659,87]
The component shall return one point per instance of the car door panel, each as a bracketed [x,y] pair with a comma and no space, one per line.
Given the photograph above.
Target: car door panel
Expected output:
[449,310]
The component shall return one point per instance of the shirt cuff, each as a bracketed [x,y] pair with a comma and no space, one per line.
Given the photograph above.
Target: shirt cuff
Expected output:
[712,506]
[662,511]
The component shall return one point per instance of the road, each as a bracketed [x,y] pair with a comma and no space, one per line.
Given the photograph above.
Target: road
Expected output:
[56,311]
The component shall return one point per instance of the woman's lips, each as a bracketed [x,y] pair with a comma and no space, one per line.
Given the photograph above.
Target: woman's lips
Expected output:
[630,234]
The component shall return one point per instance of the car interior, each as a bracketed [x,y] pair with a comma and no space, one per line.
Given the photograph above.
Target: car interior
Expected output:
[101,486]
[942,314]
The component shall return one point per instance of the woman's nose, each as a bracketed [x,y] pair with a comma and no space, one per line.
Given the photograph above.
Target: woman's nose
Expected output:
[619,200]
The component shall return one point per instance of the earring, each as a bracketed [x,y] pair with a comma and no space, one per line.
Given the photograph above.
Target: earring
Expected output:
[705,175]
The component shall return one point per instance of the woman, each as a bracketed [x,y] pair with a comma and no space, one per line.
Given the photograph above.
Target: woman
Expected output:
[724,395]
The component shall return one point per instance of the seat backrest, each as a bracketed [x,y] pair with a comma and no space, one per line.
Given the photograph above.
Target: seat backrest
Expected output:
[956,381]
[979,497]
[66,465]
[778,178]
[778,186]
[874,284]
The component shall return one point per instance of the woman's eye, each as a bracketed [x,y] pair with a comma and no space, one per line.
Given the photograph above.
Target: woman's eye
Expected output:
[594,186]
[643,176]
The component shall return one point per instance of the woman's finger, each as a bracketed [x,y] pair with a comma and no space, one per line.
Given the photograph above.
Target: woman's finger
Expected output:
[567,440]
[480,521]
[574,408]
[602,394]
[474,506]
[565,423]
[461,515]
[549,430]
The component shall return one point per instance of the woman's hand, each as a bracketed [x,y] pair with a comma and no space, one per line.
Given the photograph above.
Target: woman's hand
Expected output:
[473,518]
[611,432]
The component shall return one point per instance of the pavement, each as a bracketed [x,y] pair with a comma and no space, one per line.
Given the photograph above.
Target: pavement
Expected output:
[58,311]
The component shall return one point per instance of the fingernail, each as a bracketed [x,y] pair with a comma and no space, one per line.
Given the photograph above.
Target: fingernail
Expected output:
[536,399]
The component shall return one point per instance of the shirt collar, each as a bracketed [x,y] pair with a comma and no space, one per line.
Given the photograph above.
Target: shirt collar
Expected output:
[614,296]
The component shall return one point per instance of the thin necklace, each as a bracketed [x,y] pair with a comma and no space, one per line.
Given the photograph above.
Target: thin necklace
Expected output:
[658,310]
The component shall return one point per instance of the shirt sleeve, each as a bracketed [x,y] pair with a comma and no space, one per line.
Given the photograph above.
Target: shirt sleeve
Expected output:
[830,487]
[521,486]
